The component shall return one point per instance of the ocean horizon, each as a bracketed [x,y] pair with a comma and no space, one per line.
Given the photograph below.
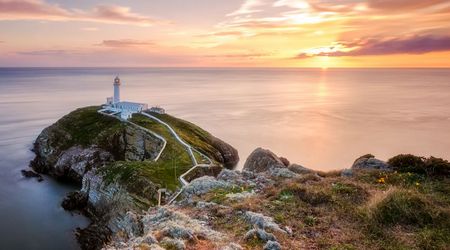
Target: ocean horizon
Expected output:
[320,119]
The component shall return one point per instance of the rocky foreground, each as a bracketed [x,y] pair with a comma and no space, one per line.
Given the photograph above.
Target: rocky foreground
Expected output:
[271,204]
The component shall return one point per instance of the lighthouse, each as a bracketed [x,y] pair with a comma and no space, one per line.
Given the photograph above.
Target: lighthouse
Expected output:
[116,90]
[124,109]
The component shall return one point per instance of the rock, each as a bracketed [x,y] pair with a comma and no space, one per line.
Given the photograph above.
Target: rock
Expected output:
[300,169]
[31,174]
[261,160]
[130,224]
[369,161]
[285,161]
[282,172]
[259,234]
[347,173]
[230,176]
[262,221]
[76,161]
[272,245]
[232,246]
[173,224]
[174,244]
[93,237]
[178,232]
[240,196]
[149,239]
[203,185]
[75,201]
[227,155]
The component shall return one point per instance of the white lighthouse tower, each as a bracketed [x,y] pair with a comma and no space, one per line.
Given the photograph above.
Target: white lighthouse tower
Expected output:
[123,109]
[116,90]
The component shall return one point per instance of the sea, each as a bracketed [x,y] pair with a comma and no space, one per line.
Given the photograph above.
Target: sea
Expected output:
[319,118]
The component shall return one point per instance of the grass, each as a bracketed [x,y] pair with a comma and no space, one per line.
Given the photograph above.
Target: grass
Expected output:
[357,212]
[86,127]
[191,134]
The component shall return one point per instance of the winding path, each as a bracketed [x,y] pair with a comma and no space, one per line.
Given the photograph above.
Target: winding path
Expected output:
[188,147]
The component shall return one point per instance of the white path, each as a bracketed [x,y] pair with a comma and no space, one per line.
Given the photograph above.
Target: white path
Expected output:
[188,147]
[101,111]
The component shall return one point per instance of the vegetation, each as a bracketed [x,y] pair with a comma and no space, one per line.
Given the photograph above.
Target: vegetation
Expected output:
[86,127]
[165,172]
[407,210]
[431,167]
[191,133]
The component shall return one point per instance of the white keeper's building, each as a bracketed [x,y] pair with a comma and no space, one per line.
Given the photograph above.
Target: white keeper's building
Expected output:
[126,109]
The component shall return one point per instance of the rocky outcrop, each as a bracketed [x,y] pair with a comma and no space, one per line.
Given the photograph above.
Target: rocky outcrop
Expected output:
[166,228]
[261,160]
[227,155]
[108,158]
[74,162]
[369,161]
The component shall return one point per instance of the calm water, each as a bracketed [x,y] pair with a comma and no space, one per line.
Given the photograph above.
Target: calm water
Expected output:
[320,119]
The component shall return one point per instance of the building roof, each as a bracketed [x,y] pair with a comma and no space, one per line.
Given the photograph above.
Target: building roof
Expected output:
[131,103]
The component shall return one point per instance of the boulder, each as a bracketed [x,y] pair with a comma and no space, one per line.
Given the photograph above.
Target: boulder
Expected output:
[300,169]
[285,161]
[76,161]
[262,221]
[203,185]
[282,172]
[259,234]
[272,245]
[75,201]
[369,161]
[261,160]
[347,173]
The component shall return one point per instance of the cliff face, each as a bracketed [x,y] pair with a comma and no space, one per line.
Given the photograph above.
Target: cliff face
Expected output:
[114,162]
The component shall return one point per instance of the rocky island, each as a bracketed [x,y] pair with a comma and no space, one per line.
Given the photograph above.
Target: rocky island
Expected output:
[158,182]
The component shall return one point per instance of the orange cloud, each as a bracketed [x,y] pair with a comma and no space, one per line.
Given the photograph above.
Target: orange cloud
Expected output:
[40,10]
[123,43]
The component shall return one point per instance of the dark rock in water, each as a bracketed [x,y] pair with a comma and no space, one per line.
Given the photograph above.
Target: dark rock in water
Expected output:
[261,160]
[369,161]
[75,201]
[31,174]
[93,237]
[300,169]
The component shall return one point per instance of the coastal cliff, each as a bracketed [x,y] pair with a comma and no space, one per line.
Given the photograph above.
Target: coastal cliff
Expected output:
[115,164]
[270,204]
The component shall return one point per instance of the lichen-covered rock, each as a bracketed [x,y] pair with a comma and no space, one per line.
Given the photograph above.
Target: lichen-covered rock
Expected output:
[262,221]
[76,161]
[261,160]
[282,172]
[370,162]
[259,234]
[300,169]
[203,185]
[240,196]
[347,173]
[272,245]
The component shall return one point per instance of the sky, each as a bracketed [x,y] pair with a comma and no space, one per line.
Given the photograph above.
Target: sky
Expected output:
[225,33]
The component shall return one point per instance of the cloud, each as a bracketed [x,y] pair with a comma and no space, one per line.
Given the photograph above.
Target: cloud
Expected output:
[240,56]
[394,5]
[248,7]
[51,52]
[123,43]
[371,47]
[40,10]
